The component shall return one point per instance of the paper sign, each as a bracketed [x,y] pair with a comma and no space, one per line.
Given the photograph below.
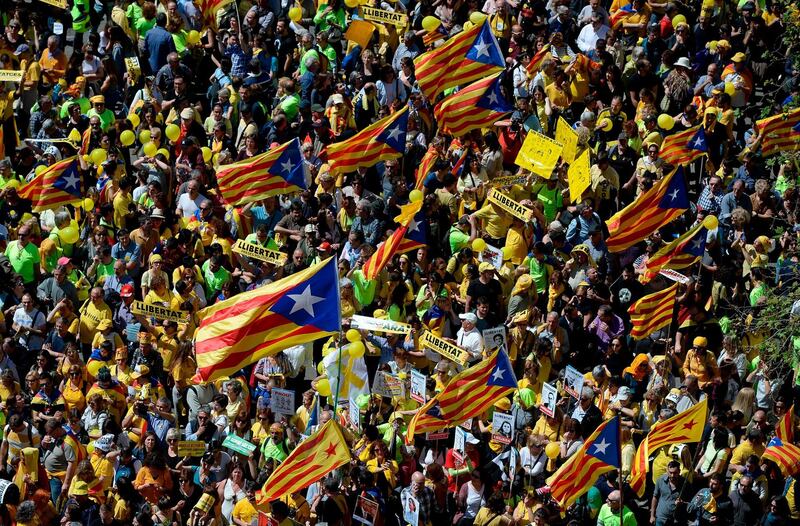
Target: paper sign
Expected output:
[448,350]
[360,32]
[239,445]
[11,75]
[394,18]
[252,250]
[411,510]
[573,381]
[509,180]
[366,511]
[355,415]
[495,338]
[377,325]
[674,276]
[418,386]
[157,311]
[191,448]
[393,384]
[579,176]
[134,69]
[493,255]
[549,399]
[459,444]
[385,384]
[58,28]
[568,138]
[502,427]
[509,205]
[62,4]
[437,435]
[282,401]
[539,154]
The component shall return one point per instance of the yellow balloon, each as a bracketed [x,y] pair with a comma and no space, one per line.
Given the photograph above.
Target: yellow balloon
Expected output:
[353,335]
[127,138]
[415,195]
[477,18]
[730,89]
[134,119]
[74,135]
[206,153]
[678,19]
[665,122]
[149,149]
[68,235]
[320,367]
[430,23]
[356,349]
[478,245]
[324,387]
[552,450]
[98,155]
[164,152]
[39,169]
[144,136]
[506,253]
[173,132]
[467,25]
[193,37]
[13,183]
[295,14]
[352,4]
[711,222]
[88,204]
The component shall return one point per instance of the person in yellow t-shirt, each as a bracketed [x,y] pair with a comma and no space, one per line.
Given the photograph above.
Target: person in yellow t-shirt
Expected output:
[245,511]
[495,222]
[91,314]
[121,201]
[102,462]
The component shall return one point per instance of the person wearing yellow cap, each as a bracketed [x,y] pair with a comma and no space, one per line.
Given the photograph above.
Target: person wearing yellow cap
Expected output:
[100,111]
[738,74]
[700,362]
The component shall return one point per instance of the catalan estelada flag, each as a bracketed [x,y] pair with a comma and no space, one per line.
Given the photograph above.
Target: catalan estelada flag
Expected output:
[469,394]
[209,8]
[784,429]
[598,455]
[426,165]
[431,37]
[380,141]
[685,427]
[620,15]
[785,454]
[477,106]
[664,202]
[314,458]
[57,185]
[537,60]
[650,313]
[465,57]
[278,171]
[778,132]
[416,234]
[384,253]
[247,327]
[682,252]
[684,147]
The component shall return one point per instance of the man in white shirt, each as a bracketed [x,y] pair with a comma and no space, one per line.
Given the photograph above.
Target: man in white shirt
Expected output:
[591,33]
[469,337]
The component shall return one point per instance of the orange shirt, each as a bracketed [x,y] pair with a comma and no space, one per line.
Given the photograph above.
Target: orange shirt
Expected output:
[53,68]
[161,484]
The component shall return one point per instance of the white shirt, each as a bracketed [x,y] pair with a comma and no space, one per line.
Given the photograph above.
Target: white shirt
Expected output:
[188,205]
[471,341]
[588,37]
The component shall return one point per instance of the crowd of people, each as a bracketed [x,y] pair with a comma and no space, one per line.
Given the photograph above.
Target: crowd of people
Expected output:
[100,408]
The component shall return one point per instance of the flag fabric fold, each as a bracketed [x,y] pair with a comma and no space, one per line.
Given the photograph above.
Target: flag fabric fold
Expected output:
[537,60]
[684,147]
[426,165]
[682,252]
[785,454]
[253,325]
[383,254]
[58,185]
[652,312]
[779,132]
[380,141]
[785,426]
[477,106]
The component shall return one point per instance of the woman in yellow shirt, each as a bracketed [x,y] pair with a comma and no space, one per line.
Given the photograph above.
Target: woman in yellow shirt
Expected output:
[72,388]
[9,387]
[384,468]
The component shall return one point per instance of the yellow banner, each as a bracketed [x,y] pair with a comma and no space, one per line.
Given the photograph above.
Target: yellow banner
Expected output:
[157,311]
[384,17]
[509,180]
[539,154]
[579,176]
[133,67]
[57,3]
[509,205]
[568,138]
[252,250]
[191,448]
[11,75]
[448,350]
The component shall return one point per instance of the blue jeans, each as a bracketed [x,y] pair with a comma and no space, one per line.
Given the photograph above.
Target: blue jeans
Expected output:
[55,489]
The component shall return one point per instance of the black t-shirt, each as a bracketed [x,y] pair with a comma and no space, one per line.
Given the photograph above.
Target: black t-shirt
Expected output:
[491,291]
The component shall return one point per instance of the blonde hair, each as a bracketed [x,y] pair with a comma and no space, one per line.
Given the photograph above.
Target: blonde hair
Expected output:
[745,402]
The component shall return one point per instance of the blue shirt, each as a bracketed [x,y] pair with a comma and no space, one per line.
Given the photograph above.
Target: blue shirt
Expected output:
[159,44]
[131,254]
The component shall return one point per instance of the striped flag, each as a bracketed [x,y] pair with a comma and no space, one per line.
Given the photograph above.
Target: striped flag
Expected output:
[278,171]
[779,132]
[383,254]
[664,202]
[314,458]
[785,454]
[465,57]
[620,15]
[58,185]
[313,416]
[684,147]
[426,165]
[537,60]
[652,312]
[477,106]
[416,234]
[253,325]
[431,37]
[682,252]
[468,395]
[598,455]
[785,427]
[380,141]
[683,428]
[209,8]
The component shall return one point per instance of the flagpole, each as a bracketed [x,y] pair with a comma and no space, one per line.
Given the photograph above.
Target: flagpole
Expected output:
[619,473]
[338,375]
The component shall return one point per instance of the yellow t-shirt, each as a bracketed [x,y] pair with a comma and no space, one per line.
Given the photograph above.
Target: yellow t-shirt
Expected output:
[91,316]
[121,202]
[102,468]
[516,245]
[495,221]
[244,511]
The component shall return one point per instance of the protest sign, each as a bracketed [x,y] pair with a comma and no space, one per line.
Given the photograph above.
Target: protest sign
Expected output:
[539,154]
[355,415]
[549,399]
[579,176]
[384,17]
[134,69]
[385,384]
[437,435]
[61,4]
[502,427]
[495,338]
[568,139]
[10,75]
[460,443]
[573,382]
[378,325]
[509,205]
[674,275]
[239,445]
[411,511]
[417,386]
[493,255]
[252,250]
[360,32]
[157,311]
[366,511]
[191,448]
[509,180]
[282,401]
[448,350]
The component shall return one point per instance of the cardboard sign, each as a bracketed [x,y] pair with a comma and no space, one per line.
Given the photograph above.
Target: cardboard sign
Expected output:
[282,401]
[254,251]
[239,445]
[384,17]
[411,510]
[448,350]
[157,311]
[502,427]
[61,4]
[437,435]
[495,338]
[191,448]
[366,511]
[568,138]
[11,75]
[579,176]
[360,32]
[509,205]
[549,399]
[387,385]
[539,154]
[418,386]
[460,444]
[573,381]
[493,255]
[377,325]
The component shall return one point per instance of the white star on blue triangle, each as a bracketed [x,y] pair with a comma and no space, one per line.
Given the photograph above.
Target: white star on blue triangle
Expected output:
[311,302]
[69,180]
[493,99]
[289,165]
[502,373]
[698,142]
[420,233]
[696,245]
[485,49]
[796,127]
[395,135]
[677,195]
[605,446]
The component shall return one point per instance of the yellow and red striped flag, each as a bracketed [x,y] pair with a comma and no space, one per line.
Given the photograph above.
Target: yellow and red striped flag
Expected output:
[384,253]
[684,147]
[469,394]
[380,141]
[664,202]
[426,165]
[650,313]
[209,8]
[58,185]
[785,454]
[477,106]
[468,56]
[247,327]
[278,171]
[784,429]
[537,60]
[599,454]
[780,132]
[684,251]
[685,427]
[314,458]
